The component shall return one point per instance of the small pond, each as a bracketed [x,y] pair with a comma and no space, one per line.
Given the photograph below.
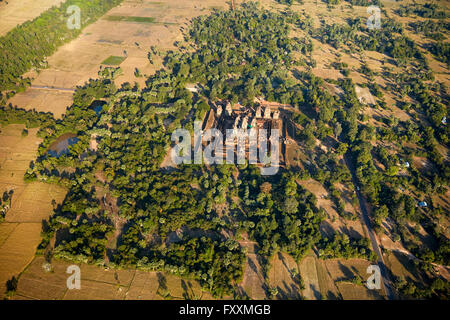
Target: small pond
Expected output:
[97,106]
[61,145]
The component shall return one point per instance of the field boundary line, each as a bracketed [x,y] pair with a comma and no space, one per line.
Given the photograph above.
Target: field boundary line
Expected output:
[17,224]
[104,282]
[334,282]
[318,278]
[129,286]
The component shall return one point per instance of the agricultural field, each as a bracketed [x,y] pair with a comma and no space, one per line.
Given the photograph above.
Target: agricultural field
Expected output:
[17,12]
[253,284]
[126,31]
[336,279]
[308,272]
[342,273]
[284,276]
[43,281]
[113,60]
[31,203]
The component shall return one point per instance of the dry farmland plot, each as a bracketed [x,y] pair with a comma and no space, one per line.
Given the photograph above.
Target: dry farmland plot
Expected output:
[93,290]
[31,202]
[364,95]
[416,231]
[5,230]
[36,283]
[281,276]
[319,191]
[331,279]
[178,288]
[354,229]
[252,283]
[157,285]
[45,100]
[343,271]
[328,288]
[97,283]
[308,272]
[400,265]
[145,286]
[18,250]
[74,63]
[17,12]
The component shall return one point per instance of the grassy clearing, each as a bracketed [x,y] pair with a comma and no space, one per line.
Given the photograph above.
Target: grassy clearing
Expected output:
[131,19]
[113,60]
[110,41]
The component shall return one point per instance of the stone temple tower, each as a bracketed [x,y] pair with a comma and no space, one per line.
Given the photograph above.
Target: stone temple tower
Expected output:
[228,109]
[276,115]
[258,113]
[267,113]
[244,123]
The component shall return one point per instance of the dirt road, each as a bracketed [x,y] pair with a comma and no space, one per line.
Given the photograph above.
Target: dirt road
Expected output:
[387,283]
[52,88]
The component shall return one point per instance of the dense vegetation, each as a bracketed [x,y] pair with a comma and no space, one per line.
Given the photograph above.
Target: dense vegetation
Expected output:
[124,210]
[5,203]
[343,247]
[427,10]
[175,221]
[31,119]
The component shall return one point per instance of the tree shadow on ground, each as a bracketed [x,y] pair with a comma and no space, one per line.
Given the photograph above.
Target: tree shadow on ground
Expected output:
[348,274]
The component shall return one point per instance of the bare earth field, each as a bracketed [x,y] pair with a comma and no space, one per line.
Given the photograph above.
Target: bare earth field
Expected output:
[309,275]
[343,271]
[331,279]
[281,277]
[31,202]
[400,265]
[17,12]
[74,63]
[99,283]
[252,284]
[328,287]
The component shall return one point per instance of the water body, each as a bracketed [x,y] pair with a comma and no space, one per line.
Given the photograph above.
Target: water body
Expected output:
[97,106]
[61,145]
